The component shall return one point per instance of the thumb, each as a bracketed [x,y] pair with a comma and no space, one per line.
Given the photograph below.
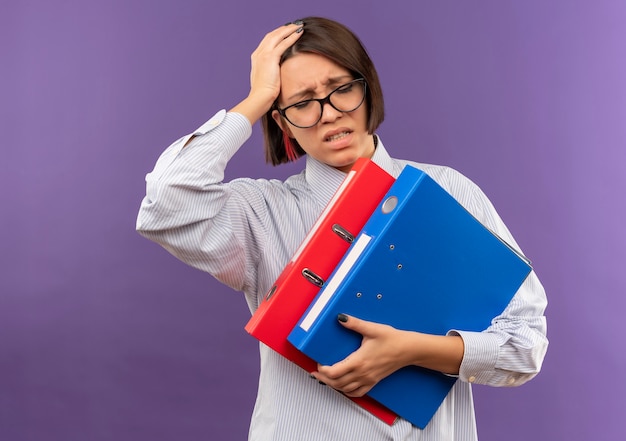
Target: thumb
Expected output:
[352,323]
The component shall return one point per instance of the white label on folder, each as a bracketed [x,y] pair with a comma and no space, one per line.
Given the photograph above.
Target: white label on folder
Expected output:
[319,221]
[335,281]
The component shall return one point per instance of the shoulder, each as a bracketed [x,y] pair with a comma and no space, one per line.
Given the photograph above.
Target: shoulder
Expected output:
[453,181]
[269,192]
[462,188]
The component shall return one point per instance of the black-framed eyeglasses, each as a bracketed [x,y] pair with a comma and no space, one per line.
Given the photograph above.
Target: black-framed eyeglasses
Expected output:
[345,98]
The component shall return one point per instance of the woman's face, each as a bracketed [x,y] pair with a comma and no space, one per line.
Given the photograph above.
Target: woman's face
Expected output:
[338,139]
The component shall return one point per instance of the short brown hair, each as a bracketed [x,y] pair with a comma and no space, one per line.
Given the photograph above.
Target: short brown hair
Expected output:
[336,42]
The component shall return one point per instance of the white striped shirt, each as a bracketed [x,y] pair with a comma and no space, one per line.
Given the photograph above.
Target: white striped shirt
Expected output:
[243,233]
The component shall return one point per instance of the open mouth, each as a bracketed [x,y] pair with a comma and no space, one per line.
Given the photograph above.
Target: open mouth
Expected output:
[337,136]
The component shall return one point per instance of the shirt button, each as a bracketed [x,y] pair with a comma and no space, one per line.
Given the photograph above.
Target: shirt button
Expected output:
[510,381]
[471,379]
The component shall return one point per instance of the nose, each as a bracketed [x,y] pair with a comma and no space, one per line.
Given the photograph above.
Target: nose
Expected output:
[329,113]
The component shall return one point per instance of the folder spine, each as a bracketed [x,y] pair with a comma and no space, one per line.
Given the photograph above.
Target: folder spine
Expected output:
[380,220]
[312,263]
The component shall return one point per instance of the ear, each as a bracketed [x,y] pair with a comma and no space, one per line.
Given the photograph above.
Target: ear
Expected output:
[284,126]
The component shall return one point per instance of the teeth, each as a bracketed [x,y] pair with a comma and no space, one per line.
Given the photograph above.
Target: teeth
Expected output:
[337,136]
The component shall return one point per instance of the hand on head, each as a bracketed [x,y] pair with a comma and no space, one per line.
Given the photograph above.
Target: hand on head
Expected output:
[265,70]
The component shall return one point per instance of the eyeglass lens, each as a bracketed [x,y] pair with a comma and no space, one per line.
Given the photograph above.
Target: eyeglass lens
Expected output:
[345,98]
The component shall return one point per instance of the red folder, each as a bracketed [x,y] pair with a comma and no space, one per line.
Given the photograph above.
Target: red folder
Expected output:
[315,260]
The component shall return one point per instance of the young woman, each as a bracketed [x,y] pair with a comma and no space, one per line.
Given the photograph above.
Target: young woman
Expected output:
[317,93]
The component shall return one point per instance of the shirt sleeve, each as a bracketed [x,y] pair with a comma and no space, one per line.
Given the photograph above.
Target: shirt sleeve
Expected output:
[192,213]
[511,350]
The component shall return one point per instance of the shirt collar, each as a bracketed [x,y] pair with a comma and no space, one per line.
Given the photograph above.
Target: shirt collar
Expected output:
[324,179]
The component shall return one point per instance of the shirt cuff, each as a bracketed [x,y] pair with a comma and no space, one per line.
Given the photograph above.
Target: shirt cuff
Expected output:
[480,356]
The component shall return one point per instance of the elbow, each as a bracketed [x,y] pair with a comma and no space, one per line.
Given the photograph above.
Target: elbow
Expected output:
[530,364]
[151,217]
[147,226]
[142,222]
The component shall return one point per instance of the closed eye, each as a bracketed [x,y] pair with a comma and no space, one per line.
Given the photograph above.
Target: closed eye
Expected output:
[302,105]
[345,88]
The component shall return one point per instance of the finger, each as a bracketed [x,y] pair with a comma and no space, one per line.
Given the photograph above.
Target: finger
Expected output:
[272,47]
[295,32]
[363,327]
[266,57]
[348,383]
[358,391]
[289,32]
[352,323]
[337,370]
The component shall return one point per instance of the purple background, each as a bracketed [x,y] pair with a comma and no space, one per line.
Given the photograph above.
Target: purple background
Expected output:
[104,336]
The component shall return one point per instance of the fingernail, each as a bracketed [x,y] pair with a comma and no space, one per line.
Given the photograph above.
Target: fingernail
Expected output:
[342,318]
[300,29]
[298,22]
[313,376]
[322,383]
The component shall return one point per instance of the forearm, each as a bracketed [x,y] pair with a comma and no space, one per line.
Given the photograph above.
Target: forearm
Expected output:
[436,352]
[253,107]
[384,350]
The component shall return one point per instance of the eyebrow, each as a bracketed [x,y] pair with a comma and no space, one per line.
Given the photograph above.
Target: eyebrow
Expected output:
[334,81]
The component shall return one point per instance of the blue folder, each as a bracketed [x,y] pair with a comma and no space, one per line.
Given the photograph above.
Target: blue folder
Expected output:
[423,263]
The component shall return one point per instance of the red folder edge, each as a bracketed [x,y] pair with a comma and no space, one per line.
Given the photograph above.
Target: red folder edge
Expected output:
[321,251]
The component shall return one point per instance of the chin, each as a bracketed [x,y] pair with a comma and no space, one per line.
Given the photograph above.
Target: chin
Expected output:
[344,166]
[344,159]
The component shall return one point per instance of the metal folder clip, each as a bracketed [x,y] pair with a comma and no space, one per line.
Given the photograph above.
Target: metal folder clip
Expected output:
[312,277]
[271,292]
[343,233]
